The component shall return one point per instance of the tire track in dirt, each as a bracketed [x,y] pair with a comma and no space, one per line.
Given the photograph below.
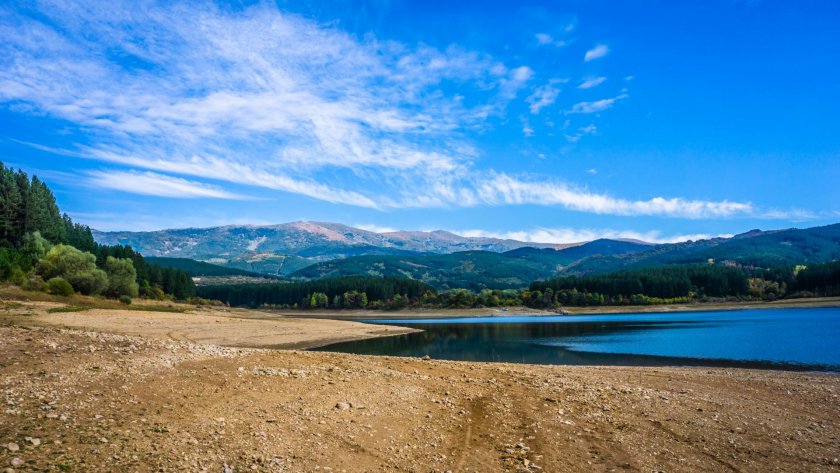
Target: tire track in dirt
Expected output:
[475,426]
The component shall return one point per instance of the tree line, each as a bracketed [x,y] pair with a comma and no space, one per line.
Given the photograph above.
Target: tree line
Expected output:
[344,292]
[661,285]
[41,248]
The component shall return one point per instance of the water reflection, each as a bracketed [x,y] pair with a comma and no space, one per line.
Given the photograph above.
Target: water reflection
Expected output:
[786,339]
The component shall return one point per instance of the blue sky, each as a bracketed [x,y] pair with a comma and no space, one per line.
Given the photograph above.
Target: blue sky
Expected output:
[542,121]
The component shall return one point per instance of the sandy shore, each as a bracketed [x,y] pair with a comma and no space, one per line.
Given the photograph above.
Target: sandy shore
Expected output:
[146,391]
[228,327]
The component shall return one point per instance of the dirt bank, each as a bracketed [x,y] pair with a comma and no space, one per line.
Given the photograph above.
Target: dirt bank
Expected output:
[87,401]
[229,327]
[82,400]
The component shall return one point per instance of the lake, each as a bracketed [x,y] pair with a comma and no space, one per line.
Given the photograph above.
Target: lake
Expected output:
[793,339]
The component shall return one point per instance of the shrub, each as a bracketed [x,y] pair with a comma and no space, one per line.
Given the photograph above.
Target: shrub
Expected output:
[125,299]
[122,277]
[34,283]
[59,286]
[74,266]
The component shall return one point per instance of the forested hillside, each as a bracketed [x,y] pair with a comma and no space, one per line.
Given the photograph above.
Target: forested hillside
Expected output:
[474,270]
[790,247]
[42,249]
[199,268]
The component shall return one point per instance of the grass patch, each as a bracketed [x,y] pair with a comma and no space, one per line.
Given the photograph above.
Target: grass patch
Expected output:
[78,302]
[11,305]
[68,308]
[158,308]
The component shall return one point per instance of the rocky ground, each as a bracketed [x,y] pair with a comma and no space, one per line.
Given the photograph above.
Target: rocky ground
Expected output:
[73,400]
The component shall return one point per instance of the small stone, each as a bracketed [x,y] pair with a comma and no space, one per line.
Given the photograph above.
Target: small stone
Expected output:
[13,447]
[342,406]
[103,440]
[427,357]
[17,461]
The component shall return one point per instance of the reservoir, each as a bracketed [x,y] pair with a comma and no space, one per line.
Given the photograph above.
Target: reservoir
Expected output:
[792,339]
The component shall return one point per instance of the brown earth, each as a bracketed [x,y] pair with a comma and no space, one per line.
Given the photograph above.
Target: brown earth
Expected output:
[75,400]
[220,326]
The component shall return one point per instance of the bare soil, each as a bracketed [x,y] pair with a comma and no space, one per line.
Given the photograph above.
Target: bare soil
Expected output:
[84,400]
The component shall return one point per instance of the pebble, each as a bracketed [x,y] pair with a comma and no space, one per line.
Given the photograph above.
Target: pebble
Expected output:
[16,461]
[342,406]
[13,447]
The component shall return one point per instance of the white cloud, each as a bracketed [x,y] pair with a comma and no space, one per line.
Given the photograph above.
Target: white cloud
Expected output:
[504,189]
[596,106]
[544,39]
[526,127]
[590,129]
[268,99]
[374,228]
[597,52]
[592,171]
[150,183]
[591,82]
[544,95]
[577,235]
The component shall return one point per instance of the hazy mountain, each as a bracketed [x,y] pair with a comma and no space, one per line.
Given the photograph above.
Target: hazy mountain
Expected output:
[307,239]
[315,250]
[516,268]
[285,248]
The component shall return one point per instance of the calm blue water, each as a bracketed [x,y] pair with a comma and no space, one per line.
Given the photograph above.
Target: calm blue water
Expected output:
[807,339]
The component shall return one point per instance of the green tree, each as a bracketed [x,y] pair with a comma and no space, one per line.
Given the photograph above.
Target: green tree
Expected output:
[34,248]
[76,267]
[122,277]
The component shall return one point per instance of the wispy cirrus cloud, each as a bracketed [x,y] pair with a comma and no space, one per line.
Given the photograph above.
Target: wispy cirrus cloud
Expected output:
[596,52]
[591,82]
[597,105]
[544,96]
[504,189]
[578,235]
[154,184]
[590,129]
[264,98]
[544,39]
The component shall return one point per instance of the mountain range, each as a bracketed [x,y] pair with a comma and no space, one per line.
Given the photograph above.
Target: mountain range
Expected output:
[285,248]
[311,250]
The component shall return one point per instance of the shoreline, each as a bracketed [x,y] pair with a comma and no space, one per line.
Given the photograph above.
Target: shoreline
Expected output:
[239,328]
[520,311]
